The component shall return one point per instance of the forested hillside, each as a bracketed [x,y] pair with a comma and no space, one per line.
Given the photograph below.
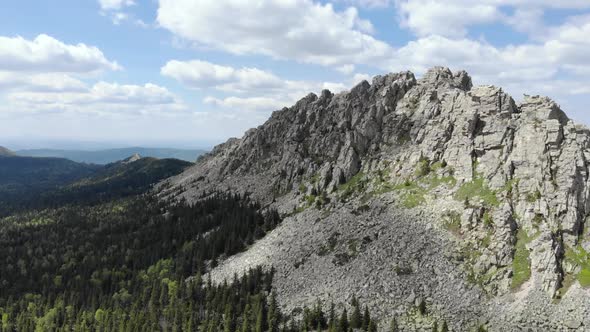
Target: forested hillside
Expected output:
[23,179]
[34,183]
[106,254]
[116,180]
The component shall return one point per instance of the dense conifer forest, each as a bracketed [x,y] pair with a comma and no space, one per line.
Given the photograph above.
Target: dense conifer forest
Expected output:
[34,183]
[106,254]
[137,264]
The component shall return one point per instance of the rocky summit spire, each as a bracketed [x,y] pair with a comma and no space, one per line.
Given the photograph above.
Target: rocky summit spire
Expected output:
[404,190]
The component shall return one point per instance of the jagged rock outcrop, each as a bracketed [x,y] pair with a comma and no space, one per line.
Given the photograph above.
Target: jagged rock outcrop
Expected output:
[133,158]
[405,190]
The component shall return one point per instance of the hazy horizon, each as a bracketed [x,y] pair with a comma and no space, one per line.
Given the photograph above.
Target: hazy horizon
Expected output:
[17,145]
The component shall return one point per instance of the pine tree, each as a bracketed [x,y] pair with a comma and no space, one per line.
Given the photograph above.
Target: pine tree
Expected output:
[356,320]
[259,321]
[246,319]
[318,318]
[372,326]
[273,314]
[445,327]
[332,324]
[435,326]
[228,319]
[422,307]
[366,319]
[343,324]
[393,325]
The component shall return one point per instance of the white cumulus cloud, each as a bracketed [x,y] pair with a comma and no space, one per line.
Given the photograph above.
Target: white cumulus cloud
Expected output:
[48,82]
[102,97]
[452,18]
[115,4]
[203,74]
[448,18]
[47,54]
[252,88]
[299,30]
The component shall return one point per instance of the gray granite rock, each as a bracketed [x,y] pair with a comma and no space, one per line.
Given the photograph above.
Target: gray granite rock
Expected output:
[422,189]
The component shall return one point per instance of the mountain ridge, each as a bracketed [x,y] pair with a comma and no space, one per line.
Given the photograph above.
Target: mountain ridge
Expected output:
[493,222]
[107,156]
[36,182]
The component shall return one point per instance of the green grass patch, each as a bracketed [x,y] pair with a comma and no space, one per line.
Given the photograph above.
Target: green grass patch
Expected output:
[511,185]
[538,219]
[566,283]
[353,183]
[413,194]
[435,181]
[310,199]
[315,178]
[302,188]
[578,256]
[356,184]
[485,242]
[481,279]
[413,199]
[452,222]
[584,278]
[438,165]
[477,188]
[414,191]
[487,219]
[296,210]
[534,196]
[521,264]
[423,167]
[385,188]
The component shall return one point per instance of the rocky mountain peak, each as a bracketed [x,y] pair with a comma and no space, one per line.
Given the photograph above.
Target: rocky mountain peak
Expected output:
[440,189]
[132,158]
[442,76]
[6,152]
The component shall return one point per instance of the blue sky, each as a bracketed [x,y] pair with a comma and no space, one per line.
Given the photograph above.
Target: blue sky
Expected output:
[190,73]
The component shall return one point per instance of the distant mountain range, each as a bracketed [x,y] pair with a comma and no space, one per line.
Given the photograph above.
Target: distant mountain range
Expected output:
[103,157]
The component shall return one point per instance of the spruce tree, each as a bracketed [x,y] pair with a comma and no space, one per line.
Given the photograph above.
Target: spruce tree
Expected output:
[259,321]
[246,319]
[372,326]
[273,314]
[422,307]
[356,320]
[393,325]
[445,327]
[435,326]
[228,319]
[318,315]
[343,324]
[332,323]
[366,319]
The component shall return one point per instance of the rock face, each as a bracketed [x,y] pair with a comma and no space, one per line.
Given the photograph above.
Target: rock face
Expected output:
[406,190]
[133,158]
